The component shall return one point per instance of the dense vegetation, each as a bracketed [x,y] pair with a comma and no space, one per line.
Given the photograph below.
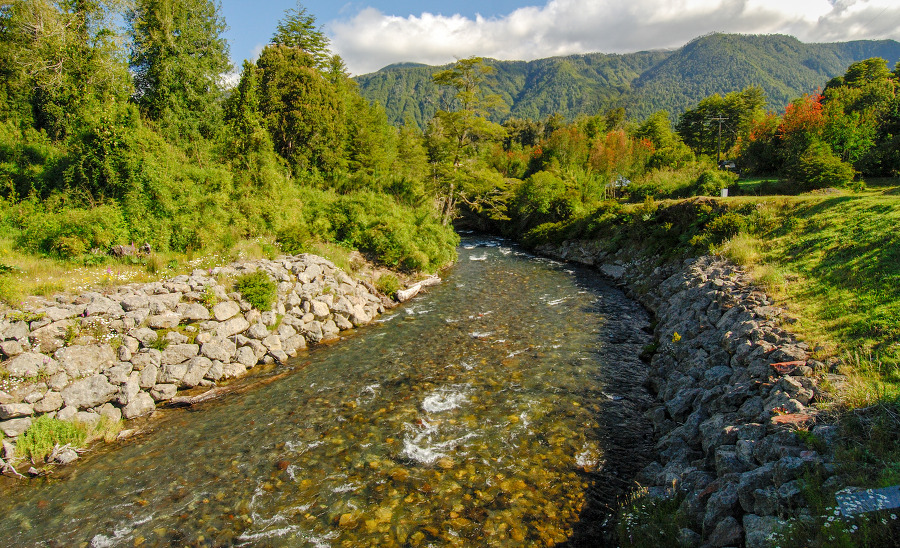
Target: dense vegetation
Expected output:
[642,83]
[114,135]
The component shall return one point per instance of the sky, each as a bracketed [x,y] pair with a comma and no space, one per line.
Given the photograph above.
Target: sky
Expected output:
[371,34]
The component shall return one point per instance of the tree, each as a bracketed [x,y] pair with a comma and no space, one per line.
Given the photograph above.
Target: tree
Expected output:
[298,30]
[178,56]
[303,112]
[60,62]
[457,130]
[733,115]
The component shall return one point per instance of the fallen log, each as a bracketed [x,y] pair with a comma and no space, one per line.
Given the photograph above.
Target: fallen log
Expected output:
[404,295]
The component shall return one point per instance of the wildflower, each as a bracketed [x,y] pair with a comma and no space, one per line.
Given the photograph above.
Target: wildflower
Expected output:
[893,516]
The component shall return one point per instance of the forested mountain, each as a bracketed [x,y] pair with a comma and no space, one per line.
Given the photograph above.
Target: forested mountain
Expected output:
[642,82]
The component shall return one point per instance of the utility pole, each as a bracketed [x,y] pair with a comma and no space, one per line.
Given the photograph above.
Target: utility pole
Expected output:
[719,119]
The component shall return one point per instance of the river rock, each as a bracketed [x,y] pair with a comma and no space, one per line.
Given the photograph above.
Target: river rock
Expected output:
[13,427]
[15,410]
[89,392]
[727,532]
[226,310]
[231,327]
[163,392]
[216,371]
[51,401]
[179,353]
[144,334]
[29,364]
[218,350]
[142,404]
[16,331]
[81,361]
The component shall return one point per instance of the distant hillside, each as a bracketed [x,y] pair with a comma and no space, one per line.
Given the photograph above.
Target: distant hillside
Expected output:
[642,82]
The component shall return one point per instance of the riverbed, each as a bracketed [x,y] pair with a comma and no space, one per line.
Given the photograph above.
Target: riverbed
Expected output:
[501,408]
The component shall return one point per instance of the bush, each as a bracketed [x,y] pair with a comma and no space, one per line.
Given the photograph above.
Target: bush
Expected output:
[819,167]
[257,289]
[388,284]
[45,433]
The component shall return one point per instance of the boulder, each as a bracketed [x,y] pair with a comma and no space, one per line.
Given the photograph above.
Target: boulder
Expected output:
[13,427]
[231,327]
[245,356]
[29,364]
[196,371]
[142,404]
[163,392]
[51,401]
[758,530]
[166,320]
[172,373]
[148,376]
[89,392]
[15,410]
[82,361]
[226,310]
[194,312]
[218,350]
[179,353]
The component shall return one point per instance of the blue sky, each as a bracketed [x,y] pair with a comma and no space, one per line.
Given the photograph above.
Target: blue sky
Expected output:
[370,34]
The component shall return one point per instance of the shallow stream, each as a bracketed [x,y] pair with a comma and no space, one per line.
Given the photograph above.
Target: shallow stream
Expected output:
[500,408]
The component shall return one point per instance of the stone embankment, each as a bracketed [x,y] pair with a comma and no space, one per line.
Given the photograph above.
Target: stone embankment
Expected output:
[121,352]
[733,390]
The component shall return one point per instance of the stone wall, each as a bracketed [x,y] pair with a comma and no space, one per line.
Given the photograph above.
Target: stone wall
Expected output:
[97,354]
[725,419]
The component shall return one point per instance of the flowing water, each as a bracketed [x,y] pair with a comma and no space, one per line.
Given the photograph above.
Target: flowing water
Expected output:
[501,408]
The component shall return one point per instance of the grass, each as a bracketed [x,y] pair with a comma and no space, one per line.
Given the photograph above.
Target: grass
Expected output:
[45,433]
[644,520]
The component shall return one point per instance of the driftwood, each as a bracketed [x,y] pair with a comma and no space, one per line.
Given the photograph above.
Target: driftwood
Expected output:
[406,294]
[215,393]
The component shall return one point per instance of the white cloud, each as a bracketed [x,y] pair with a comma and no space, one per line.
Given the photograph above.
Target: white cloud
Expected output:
[370,40]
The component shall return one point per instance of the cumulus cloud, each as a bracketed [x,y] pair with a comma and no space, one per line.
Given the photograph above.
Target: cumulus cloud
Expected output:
[371,40]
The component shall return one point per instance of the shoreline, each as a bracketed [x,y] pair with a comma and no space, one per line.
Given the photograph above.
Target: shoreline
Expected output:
[120,353]
[732,390]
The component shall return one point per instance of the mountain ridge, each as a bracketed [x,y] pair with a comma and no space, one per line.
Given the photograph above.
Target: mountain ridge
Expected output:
[642,82]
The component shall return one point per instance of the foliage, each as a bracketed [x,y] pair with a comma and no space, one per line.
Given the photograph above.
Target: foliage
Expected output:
[643,83]
[648,520]
[257,289]
[298,30]
[178,55]
[388,284]
[47,432]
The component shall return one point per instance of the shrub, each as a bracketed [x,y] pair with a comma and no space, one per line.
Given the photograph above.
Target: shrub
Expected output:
[388,284]
[257,289]
[819,167]
[45,433]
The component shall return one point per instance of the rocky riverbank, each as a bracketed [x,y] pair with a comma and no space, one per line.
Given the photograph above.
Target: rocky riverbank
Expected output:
[119,353]
[733,387]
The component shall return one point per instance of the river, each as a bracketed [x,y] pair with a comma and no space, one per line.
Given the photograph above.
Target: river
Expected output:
[500,408]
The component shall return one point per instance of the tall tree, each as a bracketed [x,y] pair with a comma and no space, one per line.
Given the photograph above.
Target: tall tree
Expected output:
[456,132]
[60,61]
[298,30]
[178,57]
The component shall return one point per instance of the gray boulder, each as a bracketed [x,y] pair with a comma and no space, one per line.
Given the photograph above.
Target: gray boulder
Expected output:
[89,392]
[226,310]
[163,392]
[82,361]
[231,327]
[142,404]
[178,353]
[51,401]
[15,410]
[13,427]
[29,364]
